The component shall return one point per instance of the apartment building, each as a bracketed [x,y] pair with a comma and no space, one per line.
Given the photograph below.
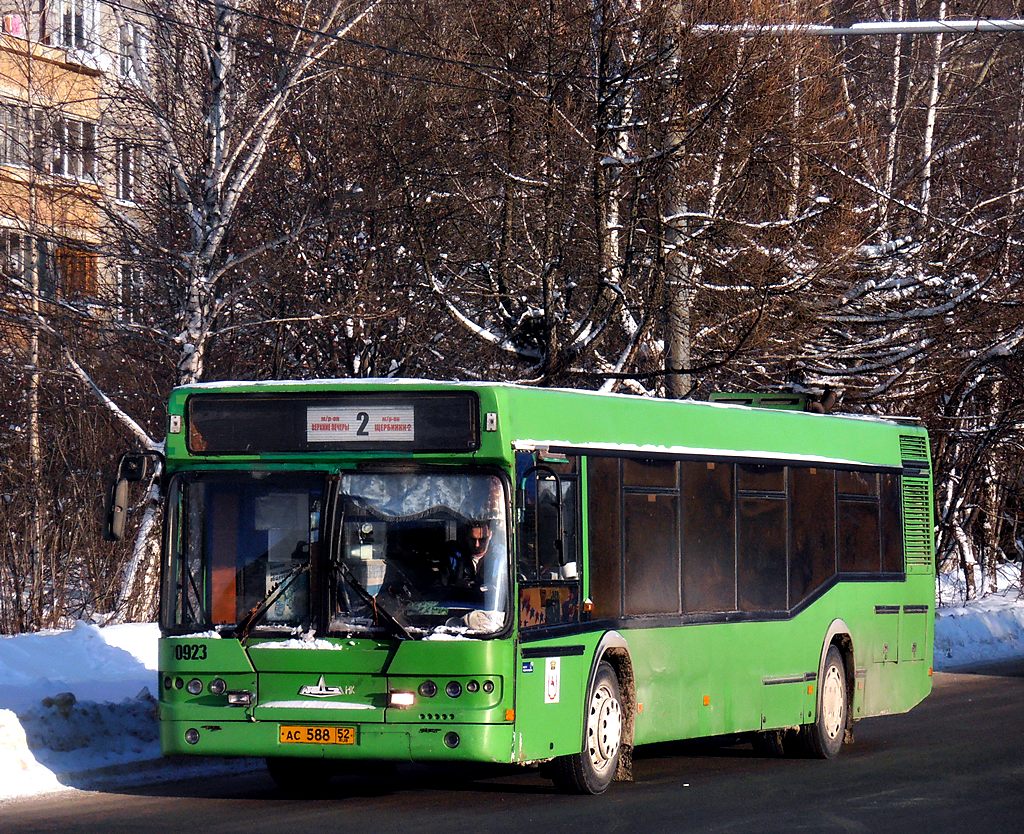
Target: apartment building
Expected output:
[62,156]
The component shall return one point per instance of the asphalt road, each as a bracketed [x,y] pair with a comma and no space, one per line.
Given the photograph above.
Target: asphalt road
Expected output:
[955,763]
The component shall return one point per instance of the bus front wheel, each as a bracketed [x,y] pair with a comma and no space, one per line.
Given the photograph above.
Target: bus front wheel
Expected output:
[592,770]
[825,736]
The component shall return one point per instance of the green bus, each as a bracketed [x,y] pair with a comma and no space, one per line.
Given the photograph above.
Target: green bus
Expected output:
[402,570]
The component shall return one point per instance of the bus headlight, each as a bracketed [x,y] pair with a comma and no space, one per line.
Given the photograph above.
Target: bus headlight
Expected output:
[240,698]
[401,699]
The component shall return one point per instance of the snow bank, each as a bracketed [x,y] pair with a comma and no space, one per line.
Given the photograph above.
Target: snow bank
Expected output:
[74,702]
[991,628]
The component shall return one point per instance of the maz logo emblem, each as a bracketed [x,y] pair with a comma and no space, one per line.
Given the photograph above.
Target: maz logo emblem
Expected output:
[322,690]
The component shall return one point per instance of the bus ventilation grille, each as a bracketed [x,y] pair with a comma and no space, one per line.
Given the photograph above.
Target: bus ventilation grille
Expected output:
[918,544]
[914,449]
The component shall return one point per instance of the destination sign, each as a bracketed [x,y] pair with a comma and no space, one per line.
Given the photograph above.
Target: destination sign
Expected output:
[415,421]
[361,423]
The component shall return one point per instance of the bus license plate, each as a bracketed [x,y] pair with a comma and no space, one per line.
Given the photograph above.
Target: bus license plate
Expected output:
[292,734]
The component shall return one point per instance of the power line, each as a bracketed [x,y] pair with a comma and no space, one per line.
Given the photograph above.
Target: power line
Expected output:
[877,27]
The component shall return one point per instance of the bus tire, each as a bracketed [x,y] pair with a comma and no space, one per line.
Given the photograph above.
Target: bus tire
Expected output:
[824,738]
[299,776]
[592,770]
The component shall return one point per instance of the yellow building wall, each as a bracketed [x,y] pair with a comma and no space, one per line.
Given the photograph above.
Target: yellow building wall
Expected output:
[42,77]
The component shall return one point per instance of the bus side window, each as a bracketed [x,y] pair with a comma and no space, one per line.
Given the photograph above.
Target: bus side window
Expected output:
[539,558]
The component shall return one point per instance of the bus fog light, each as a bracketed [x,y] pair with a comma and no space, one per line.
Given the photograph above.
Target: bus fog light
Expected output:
[240,698]
[195,686]
[218,686]
[450,740]
[401,699]
[192,735]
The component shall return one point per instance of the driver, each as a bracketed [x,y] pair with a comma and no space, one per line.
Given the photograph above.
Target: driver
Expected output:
[466,560]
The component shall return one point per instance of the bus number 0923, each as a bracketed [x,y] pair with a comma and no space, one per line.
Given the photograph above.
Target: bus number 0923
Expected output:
[190,651]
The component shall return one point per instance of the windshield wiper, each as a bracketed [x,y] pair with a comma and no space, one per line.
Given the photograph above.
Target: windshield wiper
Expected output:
[396,626]
[338,562]
[259,610]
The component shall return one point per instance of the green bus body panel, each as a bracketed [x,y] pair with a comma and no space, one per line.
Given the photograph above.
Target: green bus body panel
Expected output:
[690,680]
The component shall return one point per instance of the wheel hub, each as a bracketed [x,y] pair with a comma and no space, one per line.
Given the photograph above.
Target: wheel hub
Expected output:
[604,728]
[832,702]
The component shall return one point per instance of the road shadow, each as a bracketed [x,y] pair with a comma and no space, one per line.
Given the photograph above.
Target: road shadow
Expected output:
[249,780]
[361,780]
[1011,668]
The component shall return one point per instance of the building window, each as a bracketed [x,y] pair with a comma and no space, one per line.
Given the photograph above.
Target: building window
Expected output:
[74,148]
[14,254]
[77,272]
[14,134]
[129,281]
[22,255]
[69,23]
[126,162]
[14,24]
[132,49]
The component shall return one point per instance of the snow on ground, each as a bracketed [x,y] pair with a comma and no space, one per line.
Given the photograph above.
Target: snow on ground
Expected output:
[986,629]
[77,707]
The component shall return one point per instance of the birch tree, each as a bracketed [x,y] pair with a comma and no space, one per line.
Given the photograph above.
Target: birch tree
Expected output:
[201,106]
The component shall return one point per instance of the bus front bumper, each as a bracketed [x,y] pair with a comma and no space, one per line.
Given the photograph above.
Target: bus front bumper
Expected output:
[379,742]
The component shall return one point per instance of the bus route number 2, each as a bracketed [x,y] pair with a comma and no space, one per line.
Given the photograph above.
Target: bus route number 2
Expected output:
[190,651]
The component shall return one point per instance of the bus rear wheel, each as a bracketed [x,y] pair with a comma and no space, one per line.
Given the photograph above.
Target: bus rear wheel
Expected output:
[592,770]
[824,738]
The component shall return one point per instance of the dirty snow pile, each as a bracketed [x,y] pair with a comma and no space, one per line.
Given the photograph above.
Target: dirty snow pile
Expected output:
[75,702]
[77,707]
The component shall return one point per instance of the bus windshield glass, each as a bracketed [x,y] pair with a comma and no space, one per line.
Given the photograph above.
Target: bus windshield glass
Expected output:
[430,548]
[238,539]
[413,553]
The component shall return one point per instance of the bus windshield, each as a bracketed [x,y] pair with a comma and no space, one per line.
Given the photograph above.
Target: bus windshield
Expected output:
[414,553]
[430,548]
[234,540]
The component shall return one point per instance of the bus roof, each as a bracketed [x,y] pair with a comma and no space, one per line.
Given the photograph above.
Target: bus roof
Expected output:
[531,417]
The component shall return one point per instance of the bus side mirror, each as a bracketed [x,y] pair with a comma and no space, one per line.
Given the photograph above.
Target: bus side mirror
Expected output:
[117,510]
[131,469]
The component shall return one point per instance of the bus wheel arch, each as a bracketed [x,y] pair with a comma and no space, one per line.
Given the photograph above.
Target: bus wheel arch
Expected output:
[837,646]
[611,692]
